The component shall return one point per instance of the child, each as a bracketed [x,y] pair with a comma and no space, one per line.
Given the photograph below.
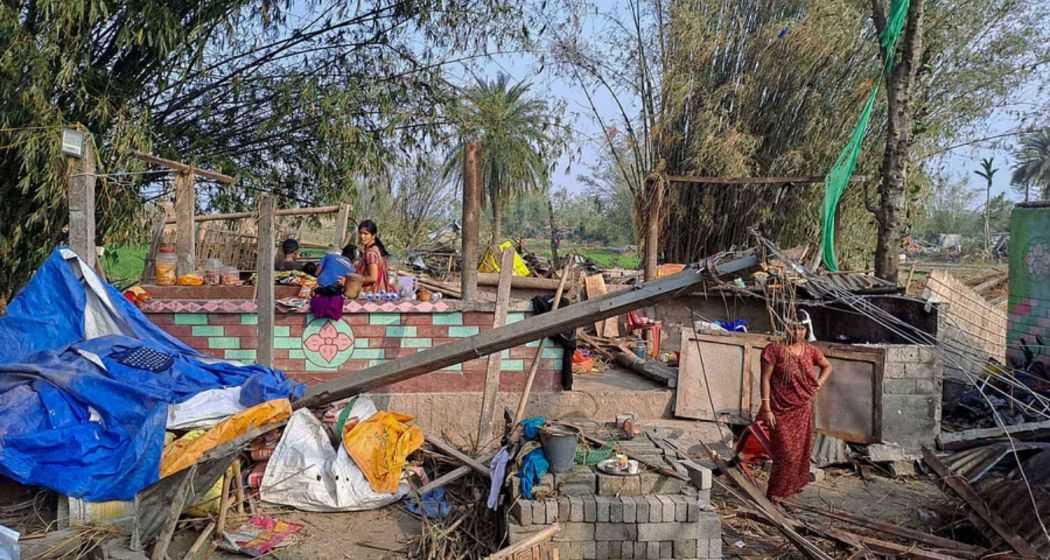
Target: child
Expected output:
[332,275]
[289,259]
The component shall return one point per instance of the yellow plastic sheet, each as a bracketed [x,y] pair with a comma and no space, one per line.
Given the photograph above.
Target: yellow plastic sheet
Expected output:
[380,446]
[491,261]
[185,452]
[209,502]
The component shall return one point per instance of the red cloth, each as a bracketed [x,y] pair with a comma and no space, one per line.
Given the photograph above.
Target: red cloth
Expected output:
[373,256]
[792,388]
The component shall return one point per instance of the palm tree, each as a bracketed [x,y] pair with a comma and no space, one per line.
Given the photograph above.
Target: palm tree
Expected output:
[1033,164]
[986,172]
[519,141]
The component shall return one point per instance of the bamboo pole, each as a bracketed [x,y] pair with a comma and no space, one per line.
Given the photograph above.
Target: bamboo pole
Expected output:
[520,411]
[319,210]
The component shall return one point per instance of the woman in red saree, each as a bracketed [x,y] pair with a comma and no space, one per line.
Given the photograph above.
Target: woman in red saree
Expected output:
[788,389]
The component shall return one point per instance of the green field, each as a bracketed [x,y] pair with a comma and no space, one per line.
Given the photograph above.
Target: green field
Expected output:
[123,265]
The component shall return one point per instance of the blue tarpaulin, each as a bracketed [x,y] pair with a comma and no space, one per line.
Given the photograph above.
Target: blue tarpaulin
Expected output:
[76,415]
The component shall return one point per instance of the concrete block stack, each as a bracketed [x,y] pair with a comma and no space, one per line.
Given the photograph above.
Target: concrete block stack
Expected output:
[911,396]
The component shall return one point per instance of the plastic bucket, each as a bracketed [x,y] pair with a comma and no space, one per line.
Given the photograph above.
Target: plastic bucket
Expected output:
[559,445]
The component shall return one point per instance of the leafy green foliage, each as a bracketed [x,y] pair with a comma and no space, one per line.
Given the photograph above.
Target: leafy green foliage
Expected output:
[1032,168]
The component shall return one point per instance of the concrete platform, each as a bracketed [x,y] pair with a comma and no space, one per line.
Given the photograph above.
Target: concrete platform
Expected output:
[596,397]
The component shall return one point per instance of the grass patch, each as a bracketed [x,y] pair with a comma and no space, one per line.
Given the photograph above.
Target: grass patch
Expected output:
[610,259]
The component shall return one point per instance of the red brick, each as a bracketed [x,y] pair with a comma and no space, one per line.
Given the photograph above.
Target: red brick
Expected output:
[478,319]
[249,342]
[369,331]
[240,330]
[417,319]
[183,332]
[280,354]
[216,353]
[432,331]
[296,330]
[311,378]
[385,342]
[356,318]
[162,319]
[290,365]
[353,365]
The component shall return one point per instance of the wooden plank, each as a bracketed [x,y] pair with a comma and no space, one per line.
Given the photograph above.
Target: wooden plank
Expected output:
[471,220]
[519,412]
[595,286]
[185,242]
[178,503]
[81,193]
[264,283]
[928,539]
[964,491]
[198,551]
[883,547]
[183,168]
[965,438]
[341,221]
[467,460]
[452,476]
[524,282]
[315,211]
[787,525]
[688,400]
[532,328]
[490,392]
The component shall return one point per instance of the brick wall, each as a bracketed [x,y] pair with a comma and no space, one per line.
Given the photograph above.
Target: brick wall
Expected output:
[315,350]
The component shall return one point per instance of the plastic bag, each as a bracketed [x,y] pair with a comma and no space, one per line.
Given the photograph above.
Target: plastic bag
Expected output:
[380,445]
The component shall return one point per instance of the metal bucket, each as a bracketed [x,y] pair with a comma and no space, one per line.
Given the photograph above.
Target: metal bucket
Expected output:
[559,445]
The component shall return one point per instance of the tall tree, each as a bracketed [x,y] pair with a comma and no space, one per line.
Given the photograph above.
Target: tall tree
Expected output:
[1032,168]
[520,137]
[900,99]
[987,172]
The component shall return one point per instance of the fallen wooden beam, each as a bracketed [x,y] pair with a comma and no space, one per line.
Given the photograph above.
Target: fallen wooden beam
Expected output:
[452,476]
[963,490]
[516,334]
[523,282]
[651,369]
[879,546]
[490,390]
[467,460]
[961,549]
[519,412]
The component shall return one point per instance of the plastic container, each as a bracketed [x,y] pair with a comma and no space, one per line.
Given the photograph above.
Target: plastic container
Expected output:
[164,267]
[559,446]
[231,276]
[213,270]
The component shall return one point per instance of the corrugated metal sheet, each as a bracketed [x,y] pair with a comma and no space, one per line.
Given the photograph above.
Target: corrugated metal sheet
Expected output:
[857,283]
[829,450]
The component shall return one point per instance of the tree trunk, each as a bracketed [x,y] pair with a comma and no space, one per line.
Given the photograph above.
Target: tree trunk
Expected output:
[988,219]
[497,224]
[899,93]
[554,232]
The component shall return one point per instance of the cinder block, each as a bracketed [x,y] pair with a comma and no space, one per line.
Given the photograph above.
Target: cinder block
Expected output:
[518,533]
[630,509]
[575,509]
[898,386]
[685,549]
[701,548]
[627,550]
[563,509]
[616,550]
[589,551]
[681,507]
[590,509]
[552,510]
[601,550]
[540,490]
[667,506]
[703,498]
[522,512]
[616,510]
[709,526]
[666,549]
[581,481]
[652,551]
[615,532]
[656,483]
[573,550]
[575,532]
[641,550]
[612,485]
[714,548]
[927,387]
[649,532]
[604,503]
[539,512]
[655,509]
[693,512]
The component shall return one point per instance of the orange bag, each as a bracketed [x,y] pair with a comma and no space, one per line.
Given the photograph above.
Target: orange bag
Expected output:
[380,446]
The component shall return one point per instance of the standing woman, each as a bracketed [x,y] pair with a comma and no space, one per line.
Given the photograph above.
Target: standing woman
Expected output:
[372,266]
[789,386]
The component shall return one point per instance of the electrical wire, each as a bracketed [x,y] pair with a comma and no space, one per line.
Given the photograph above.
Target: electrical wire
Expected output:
[916,336]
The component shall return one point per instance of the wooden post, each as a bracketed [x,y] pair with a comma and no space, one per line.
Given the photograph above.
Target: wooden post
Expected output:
[185,238]
[471,220]
[82,203]
[341,221]
[652,231]
[264,283]
[520,411]
[491,390]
